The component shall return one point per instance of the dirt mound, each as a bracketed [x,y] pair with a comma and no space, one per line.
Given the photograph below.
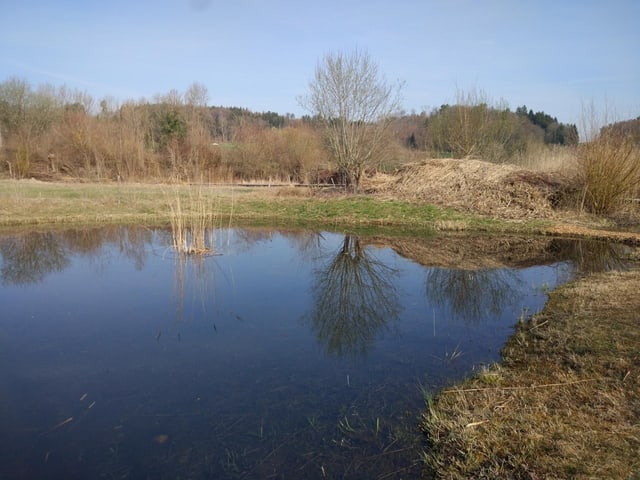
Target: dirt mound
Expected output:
[503,191]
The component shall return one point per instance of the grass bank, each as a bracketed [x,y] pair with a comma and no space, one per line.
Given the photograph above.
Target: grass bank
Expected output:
[28,203]
[564,402]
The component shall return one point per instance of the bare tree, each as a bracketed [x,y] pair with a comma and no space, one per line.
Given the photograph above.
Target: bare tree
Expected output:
[473,295]
[356,104]
[475,127]
[197,95]
[25,115]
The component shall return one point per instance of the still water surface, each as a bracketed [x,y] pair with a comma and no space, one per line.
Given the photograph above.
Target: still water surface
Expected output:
[290,354]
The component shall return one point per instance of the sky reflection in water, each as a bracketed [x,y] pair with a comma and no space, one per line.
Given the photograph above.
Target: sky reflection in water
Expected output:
[297,354]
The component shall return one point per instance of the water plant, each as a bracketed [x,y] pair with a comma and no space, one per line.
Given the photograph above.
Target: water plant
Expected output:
[344,426]
[524,315]
[314,422]
[193,215]
[453,355]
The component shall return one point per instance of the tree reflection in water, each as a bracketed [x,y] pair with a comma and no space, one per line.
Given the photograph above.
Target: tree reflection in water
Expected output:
[30,258]
[591,256]
[472,294]
[354,299]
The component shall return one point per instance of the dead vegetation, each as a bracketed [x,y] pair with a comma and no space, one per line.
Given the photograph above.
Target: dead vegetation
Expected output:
[499,190]
[565,403]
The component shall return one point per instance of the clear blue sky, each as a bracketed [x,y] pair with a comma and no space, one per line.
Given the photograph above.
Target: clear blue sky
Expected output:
[553,55]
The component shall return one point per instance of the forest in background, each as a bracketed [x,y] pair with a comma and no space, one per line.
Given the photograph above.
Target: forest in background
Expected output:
[49,133]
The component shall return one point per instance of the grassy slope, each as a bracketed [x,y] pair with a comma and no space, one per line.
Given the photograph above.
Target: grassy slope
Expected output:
[28,202]
[565,401]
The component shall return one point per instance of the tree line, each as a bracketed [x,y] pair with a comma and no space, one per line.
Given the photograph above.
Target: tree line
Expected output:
[50,132]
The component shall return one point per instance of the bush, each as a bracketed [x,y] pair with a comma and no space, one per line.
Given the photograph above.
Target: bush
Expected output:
[608,173]
[284,155]
[474,128]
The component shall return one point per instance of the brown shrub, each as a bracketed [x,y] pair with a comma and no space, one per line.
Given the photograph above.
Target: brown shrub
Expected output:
[608,173]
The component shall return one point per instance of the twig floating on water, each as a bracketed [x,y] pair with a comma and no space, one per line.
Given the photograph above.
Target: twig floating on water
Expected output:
[64,422]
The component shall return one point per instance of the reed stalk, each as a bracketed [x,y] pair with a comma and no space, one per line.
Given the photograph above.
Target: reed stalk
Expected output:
[193,217]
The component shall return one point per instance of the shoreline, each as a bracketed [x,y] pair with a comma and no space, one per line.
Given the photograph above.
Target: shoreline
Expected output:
[563,402]
[493,424]
[28,203]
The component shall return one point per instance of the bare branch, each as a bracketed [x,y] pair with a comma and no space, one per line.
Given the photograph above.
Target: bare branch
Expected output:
[356,104]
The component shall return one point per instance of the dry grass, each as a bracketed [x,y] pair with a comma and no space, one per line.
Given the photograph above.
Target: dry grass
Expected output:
[565,403]
[608,173]
[504,191]
[293,191]
[548,158]
[31,202]
[193,217]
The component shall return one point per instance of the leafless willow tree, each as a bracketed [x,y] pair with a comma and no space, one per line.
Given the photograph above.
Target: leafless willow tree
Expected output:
[354,101]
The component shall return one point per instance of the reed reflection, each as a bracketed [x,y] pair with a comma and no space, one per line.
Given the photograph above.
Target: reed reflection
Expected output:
[354,299]
[192,275]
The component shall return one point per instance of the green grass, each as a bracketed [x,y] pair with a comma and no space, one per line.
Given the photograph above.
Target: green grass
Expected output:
[349,210]
[24,203]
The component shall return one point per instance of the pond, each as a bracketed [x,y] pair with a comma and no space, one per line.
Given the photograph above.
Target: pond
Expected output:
[286,354]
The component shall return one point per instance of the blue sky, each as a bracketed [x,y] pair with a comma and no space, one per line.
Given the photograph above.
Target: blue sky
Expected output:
[554,56]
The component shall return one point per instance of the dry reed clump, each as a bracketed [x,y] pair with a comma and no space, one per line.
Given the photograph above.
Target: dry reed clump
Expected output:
[564,404]
[499,190]
[193,216]
[608,173]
